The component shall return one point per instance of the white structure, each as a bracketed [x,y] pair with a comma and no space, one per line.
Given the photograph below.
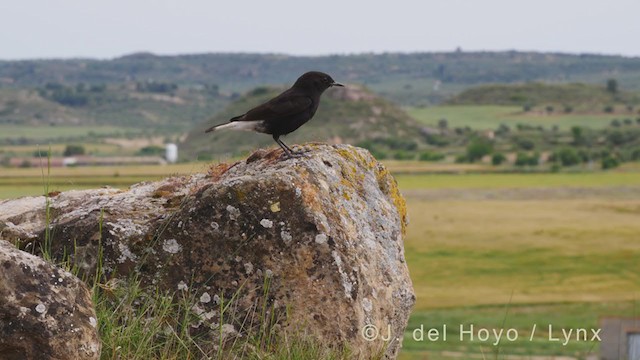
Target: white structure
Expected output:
[171,153]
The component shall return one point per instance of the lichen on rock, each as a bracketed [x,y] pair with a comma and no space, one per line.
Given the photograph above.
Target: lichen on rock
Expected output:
[45,312]
[324,229]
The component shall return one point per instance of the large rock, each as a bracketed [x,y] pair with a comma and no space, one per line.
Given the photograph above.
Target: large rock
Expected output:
[324,232]
[45,312]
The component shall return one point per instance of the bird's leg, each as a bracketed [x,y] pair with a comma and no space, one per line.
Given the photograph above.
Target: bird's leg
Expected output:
[288,148]
[284,147]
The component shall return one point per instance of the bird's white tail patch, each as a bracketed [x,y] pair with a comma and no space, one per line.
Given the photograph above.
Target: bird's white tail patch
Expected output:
[240,125]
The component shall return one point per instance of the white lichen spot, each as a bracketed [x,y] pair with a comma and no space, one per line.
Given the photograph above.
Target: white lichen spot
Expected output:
[171,246]
[92,321]
[268,273]
[367,305]
[182,286]
[214,225]
[298,192]
[321,239]
[125,254]
[227,330]
[205,298]
[248,268]
[41,309]
[286,236]
[197,309]
[275,207]
[216,299]
[266,223]
[23,311]
[346,283]
[233,212]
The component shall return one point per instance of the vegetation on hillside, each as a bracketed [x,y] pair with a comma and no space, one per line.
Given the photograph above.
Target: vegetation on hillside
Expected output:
[414,78]
[352,115]
[551,98]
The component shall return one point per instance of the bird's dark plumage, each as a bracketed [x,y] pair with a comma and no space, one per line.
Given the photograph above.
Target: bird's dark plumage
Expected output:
[286,112]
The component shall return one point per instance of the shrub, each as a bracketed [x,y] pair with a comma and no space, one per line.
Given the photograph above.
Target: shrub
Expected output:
[498,159]
[403,155]
[478,148]
[567,157]
[610,162]
[523,159]
[152,150]
[73,150]
[431,156]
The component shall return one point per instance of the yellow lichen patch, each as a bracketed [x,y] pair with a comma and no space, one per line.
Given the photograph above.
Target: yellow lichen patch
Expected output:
[353,155]
[240,195]
[275,207]
[389,186]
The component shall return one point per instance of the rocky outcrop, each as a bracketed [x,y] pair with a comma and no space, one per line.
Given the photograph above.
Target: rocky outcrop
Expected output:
[45,312]
[318,238]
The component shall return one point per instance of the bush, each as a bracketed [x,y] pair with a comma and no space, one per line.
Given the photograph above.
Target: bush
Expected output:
[478,148]
[608,109]
[73,150]
[567,157]
[436,140]
[403,155]
[523,159]
[430,156]
[525,144]
[498,159]
[462,158]
[610,162]
[152,150]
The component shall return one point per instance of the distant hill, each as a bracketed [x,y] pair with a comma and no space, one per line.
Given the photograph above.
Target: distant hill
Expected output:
[160,106]
[575,96]
[406,78]
[350,115]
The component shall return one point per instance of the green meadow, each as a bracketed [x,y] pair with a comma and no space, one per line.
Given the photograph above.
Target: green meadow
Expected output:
[489,250]
[492,116]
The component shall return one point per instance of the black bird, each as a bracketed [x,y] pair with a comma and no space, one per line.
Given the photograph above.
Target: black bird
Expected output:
[286,112]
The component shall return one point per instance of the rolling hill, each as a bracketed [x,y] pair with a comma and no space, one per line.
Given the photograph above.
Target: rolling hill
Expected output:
[406,78]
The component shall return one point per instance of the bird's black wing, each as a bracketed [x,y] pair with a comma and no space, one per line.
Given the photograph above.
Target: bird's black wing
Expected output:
[283,105]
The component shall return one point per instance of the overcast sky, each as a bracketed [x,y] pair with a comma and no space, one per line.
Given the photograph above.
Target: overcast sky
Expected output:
[111,28]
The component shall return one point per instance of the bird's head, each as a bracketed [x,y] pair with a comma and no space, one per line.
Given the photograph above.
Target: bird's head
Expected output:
[315,80]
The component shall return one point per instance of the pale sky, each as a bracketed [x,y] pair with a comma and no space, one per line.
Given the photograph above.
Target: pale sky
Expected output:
[111,28]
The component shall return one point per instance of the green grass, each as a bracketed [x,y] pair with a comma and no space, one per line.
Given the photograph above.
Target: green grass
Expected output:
[517,180]
[563,261]
[491,116]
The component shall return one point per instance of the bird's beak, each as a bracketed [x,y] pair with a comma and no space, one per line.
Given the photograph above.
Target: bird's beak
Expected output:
[337,84]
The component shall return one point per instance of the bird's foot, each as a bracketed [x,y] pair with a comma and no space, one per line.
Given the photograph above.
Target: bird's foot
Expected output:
[294,154]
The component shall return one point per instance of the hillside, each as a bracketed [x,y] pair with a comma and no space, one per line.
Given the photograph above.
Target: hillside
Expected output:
[350,115]
[164,107]
[406,78]
[532,94]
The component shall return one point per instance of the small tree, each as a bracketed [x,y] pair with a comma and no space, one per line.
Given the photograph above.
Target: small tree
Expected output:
[478,148]
[612,86]
[568,157]
[443,124]
[498,159]
[73,150]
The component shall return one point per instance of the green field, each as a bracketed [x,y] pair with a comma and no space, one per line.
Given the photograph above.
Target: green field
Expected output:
[56,132]
[491,116]
[492,250]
